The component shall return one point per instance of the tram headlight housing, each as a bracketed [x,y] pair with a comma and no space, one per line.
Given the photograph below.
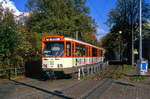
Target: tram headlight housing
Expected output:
[44,65]
[59,65]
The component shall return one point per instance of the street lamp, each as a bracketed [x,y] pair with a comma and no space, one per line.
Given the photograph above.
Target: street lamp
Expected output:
[120,32]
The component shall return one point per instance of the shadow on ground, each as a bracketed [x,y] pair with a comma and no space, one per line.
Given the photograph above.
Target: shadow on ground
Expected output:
[34,70]
[55,93]
[123,83]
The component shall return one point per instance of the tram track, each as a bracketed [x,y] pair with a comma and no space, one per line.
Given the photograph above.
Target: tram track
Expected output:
[98,90]
[44,92]
[64,89]
[105,72]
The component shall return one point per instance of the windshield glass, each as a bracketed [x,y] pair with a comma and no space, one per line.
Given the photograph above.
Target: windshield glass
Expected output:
[54,49]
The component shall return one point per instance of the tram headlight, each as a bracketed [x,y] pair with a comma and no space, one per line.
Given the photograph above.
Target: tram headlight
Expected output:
[44,65]
[59,65]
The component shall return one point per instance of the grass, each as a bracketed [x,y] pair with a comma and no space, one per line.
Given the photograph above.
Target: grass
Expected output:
[117,73]
[121,71]
[124,74]
[138,78]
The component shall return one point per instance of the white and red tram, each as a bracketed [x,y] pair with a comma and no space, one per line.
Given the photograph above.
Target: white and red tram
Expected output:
[63,53]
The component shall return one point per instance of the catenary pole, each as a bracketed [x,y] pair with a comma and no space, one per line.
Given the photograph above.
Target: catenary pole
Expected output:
[140,22]
[132,32]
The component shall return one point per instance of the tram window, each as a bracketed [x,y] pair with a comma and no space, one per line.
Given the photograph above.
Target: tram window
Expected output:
[54,49]
[98,53]
[101,52]
[80,50]
[68,49]
[87,51]
[73,49]
[94,52]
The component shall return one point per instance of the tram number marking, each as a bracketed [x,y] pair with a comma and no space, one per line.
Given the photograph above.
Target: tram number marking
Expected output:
[51,62]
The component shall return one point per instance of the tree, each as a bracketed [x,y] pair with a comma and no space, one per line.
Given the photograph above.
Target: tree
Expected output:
[9,39]
[123,16]
[25,47]
[15,48]
[61,17]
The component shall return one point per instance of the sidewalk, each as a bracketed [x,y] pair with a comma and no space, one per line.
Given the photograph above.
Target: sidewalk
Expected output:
[126,89]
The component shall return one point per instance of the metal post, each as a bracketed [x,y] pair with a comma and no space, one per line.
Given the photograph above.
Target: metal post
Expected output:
[15,71]
[88,70]
[97,68]
[77,35]
[79,74]
[120,49]
[132,33]
[94,69]
[9,74]
[120,32]
[83,71]
[91,70]
[140,43]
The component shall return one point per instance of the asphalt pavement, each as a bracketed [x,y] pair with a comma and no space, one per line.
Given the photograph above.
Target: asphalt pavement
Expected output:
[27,88]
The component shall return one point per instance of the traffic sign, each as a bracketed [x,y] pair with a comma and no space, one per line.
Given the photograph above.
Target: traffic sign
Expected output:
[144,67]
[135,51]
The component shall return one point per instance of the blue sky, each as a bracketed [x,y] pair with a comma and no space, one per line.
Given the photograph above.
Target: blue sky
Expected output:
[98,10]
[20,4]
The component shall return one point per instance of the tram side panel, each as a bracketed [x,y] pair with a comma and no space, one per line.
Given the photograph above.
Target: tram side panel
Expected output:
[52,63]
[79,61]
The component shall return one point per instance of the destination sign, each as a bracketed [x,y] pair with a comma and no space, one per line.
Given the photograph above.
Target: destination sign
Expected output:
[51,39]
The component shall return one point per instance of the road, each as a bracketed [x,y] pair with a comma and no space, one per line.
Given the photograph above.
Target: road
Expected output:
[27,88]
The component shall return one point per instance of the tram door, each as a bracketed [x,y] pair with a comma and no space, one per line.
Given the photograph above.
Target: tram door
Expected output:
[74,60]
[69,53]
[68,49]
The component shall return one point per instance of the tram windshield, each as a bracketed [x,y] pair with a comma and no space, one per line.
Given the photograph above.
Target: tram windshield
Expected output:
[53,49]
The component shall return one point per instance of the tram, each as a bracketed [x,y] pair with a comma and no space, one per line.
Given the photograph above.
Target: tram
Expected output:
[61,53]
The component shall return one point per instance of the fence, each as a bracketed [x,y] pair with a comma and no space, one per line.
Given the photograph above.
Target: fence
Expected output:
[85,71]
[12,72]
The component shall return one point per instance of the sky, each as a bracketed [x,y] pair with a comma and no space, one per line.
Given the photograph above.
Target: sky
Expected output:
[20,4]
[98,11]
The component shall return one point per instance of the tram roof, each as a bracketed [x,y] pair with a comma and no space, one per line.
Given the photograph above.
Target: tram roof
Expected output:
[67,38]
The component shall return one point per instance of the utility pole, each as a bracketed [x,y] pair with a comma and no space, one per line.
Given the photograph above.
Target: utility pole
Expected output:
[140,42]
[132,32]
[139,65]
